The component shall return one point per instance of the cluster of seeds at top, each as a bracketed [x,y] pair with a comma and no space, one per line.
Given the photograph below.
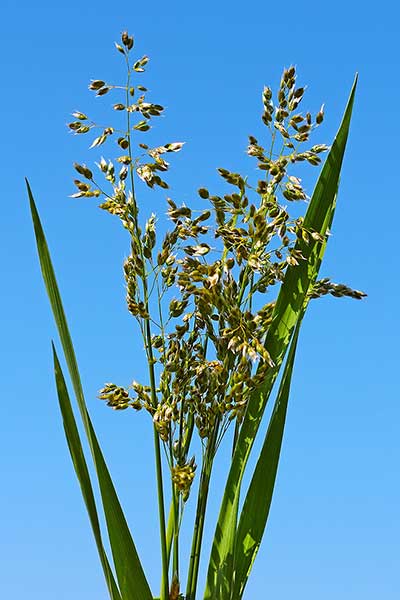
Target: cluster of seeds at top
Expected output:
[149,166]
[208,280]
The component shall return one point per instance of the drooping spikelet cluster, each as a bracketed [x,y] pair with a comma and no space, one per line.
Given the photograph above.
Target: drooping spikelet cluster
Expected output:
[203,297]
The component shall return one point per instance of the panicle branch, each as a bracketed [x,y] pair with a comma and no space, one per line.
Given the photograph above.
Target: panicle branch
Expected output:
[215,270]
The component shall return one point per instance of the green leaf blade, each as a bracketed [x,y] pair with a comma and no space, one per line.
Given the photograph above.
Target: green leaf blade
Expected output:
[82,472]
[256,507]
[131,578]
[129,570]
[291,302]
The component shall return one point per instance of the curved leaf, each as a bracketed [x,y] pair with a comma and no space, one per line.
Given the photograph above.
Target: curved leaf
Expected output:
[131,578]
[292,300]
[255,511]
[82,472]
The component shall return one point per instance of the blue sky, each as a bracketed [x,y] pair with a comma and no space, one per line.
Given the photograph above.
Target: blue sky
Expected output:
[335,525]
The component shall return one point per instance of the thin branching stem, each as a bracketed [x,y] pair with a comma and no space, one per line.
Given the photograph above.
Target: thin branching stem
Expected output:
[206,376]
[202,498]
[164,592]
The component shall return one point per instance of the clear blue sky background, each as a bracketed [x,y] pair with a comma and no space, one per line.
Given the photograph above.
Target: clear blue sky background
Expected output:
[334,529]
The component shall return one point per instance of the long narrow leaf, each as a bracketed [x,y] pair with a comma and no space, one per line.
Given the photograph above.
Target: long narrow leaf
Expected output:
[129,570]
[268,470]
[131,578]
[241,538]
[82,472]
[290,303]
[255,511]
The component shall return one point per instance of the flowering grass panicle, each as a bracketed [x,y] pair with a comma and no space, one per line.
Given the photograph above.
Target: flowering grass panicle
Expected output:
[218,299]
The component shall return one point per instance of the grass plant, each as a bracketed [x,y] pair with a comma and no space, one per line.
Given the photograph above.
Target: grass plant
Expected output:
[219,302]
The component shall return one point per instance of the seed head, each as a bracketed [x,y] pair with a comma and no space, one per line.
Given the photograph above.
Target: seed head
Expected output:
[127,40]
[83,170]
[96,84]
[320,116]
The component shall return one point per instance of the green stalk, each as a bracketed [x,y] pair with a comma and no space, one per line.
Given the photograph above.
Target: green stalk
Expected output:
[175,505]
[175,555]
[164,592]
[188,435]
[235,436]
[170,526]
[174,517]
[200,515]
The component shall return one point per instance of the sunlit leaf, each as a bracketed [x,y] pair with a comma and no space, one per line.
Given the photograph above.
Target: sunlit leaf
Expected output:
[131,578]
[290,304]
